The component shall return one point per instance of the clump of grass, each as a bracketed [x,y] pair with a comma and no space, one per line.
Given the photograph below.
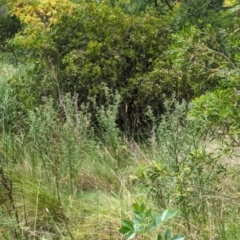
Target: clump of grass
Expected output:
[8,102]
[61,157]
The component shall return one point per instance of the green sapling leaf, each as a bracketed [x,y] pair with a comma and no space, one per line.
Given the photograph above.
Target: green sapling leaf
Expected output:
[151,227]
[148,214]
[168,234]
[135,206]
[124,230]
[168,214]
[142,207]
[157,220]
[159,237]
[130,235]
[178,237]
[128,224]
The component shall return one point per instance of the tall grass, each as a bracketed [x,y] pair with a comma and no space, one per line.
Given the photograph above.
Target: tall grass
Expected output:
[61,178]
[49,168]
[8,102]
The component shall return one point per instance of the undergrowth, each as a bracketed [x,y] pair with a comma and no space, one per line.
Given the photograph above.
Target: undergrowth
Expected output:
[61,178]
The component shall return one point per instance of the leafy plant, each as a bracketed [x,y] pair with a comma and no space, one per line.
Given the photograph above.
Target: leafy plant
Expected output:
[218,113]
[145,221]
[8,101]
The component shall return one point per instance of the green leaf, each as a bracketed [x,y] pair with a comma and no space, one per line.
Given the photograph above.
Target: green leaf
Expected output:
[168,214]
[148,214]
[138,213]
[124,230]
[135,206]
[159,237]
[142,207]
[151,227]
[139,228]
[131,235]
[178,237]
[128,224]
[157,220]
[138,218]
[168,234]
[137,221]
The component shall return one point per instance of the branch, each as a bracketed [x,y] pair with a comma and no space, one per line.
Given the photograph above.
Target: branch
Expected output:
[222,55]
[169,5]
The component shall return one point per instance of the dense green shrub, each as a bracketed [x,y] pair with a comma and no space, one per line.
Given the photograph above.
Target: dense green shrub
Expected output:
[102,46]
[218,59]
[206,56]
[197,12]
[97,46]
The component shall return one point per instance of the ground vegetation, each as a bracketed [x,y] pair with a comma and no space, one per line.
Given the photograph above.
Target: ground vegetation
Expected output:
[116,116]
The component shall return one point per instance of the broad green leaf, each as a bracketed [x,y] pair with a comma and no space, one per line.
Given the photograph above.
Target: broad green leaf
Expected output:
[129,224]
[157,220]
[137,221]
[168,234]
[135,206]
[142,207]
[151,227]
[139,228]
[178,237]
[159,237]
[124,230]
[168,214]
[131,235]
[148,214]
[138,213]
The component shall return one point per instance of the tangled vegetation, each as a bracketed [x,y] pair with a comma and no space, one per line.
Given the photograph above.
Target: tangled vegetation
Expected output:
[112,112]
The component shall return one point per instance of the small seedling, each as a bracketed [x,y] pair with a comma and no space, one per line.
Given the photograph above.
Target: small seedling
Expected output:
[145,221]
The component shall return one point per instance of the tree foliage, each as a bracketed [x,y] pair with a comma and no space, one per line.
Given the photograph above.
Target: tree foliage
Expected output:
[188,48]
[96,46]
[116,50]
[38,19]
[220,107]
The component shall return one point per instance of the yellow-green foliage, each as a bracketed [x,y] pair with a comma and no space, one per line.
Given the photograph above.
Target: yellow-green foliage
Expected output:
[38,19]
